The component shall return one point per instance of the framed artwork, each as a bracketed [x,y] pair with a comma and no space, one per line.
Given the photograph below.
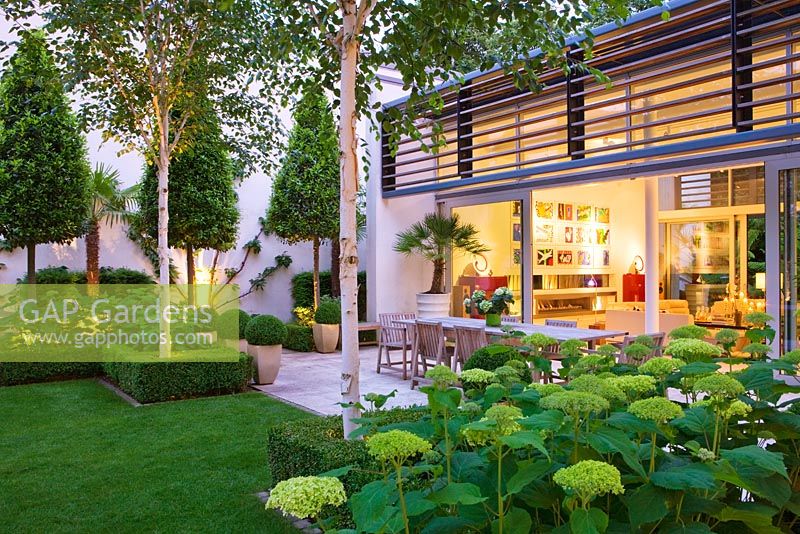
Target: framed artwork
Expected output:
[544,210]
[544,257]
[564,257]
[584,213]
[602,236]
[581,236]
[606,258]
[544,233]
[516,209]
[569,234]
[517,256]
[602,215]
[516,232]
[585,258]
[564,211]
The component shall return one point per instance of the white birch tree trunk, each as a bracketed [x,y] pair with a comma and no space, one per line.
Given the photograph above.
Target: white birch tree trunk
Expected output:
[348,175]
[163,232]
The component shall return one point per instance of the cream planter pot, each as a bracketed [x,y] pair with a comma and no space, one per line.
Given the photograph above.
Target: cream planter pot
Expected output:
[326,337]
[243,345]
[433,305]
[268,361]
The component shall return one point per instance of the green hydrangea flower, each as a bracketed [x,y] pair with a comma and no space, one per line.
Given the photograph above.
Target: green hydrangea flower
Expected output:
[792,357]
[656,409]
[539,340]
[442,376]
[477,376]
[396,446]
[758,319]
[592,364]
[727,336]
[572,347]
[705,455]
[635,385]
[661,366]
[690,349]
[637,351]
[589,479]
[505,423]
[599,386]
[736,408]
[575,402]
[507,376]
[546,389]
[757,350]
[471,408]
[305,497]
[719,385]
[689,331]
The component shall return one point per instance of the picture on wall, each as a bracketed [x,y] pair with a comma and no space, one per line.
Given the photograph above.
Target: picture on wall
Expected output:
[602,215]
[603,258]
[585,258]
[516,232]
[603,235]
[564,257]
[517,256]
[569,234]
[544,210]
[544,257]
[516,209]
[544,233]
[584,213]
[583,236]
[564,211]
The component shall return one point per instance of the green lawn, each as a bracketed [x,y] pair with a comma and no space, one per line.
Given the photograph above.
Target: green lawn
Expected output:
[76,458]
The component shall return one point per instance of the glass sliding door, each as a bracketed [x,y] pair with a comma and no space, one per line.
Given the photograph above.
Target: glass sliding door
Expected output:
[782,192]
[788,220]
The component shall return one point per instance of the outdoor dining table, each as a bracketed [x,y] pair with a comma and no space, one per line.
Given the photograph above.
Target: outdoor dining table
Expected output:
[559,333]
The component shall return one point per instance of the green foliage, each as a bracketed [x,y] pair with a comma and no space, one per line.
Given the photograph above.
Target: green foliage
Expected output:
[305,193]
[44,173]
[108,275]
[229,318]
[202,200]
[299,338]
[162,381]
[265,330]
[329,311]
[315,446]
[13,373]
[303,290]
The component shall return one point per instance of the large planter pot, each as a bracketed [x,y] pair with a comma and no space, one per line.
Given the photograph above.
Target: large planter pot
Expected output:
[433,305]
[326,337]
[268,362]
[243,345]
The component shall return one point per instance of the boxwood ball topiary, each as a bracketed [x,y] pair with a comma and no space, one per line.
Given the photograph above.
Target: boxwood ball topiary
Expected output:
[491,357]
[265,330]
[329,311]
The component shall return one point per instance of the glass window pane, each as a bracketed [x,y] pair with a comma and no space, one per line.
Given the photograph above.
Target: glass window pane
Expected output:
[748,186]
[699,269]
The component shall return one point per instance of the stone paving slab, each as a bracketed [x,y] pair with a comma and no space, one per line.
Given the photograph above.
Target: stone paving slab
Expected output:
[310,380]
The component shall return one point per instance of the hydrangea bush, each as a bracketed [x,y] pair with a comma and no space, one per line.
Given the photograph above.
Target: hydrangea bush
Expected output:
[616,449]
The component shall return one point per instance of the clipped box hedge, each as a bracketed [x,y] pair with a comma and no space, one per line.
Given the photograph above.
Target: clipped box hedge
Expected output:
[299,338]
[313,446]
[156,382]
[13,373]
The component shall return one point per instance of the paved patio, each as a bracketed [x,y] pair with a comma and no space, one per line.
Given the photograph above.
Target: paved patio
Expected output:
[311,380]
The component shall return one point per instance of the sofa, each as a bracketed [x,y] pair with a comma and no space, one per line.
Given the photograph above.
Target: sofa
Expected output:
[633,321]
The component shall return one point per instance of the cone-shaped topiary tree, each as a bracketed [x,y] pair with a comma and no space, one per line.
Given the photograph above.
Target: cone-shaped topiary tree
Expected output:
[45,193]
[202,200]
[305,194]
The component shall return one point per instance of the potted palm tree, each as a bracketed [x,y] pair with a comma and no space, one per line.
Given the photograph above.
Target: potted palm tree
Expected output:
[435,238]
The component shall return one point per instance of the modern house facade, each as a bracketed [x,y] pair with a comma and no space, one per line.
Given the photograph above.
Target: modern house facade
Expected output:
[668,196]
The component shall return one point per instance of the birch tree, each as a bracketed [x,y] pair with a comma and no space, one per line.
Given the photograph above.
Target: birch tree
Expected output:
[138,66]
[340,45]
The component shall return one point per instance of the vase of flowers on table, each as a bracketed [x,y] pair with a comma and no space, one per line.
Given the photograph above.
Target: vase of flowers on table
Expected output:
[492,306]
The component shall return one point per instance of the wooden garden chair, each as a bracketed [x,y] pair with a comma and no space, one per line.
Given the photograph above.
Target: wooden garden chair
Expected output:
[658,339]
[553,352]
[394,336]
[468,340]
[429,347]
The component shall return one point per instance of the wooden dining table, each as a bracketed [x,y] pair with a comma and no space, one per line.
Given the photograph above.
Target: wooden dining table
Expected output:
[559,333]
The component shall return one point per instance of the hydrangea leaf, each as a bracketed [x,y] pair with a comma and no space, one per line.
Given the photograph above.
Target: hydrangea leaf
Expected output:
[517,521]
[686,477]
[457,493]
[647,504]
[610,440]
[529,470]
[753,455]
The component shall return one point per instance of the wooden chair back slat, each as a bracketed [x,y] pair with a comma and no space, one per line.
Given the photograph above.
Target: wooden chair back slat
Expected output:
[510,319]
[392,335]
[561,323]
[658,347]
[430,340]
[468,340]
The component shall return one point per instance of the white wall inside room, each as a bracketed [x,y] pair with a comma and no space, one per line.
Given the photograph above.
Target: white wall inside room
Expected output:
[625,200]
